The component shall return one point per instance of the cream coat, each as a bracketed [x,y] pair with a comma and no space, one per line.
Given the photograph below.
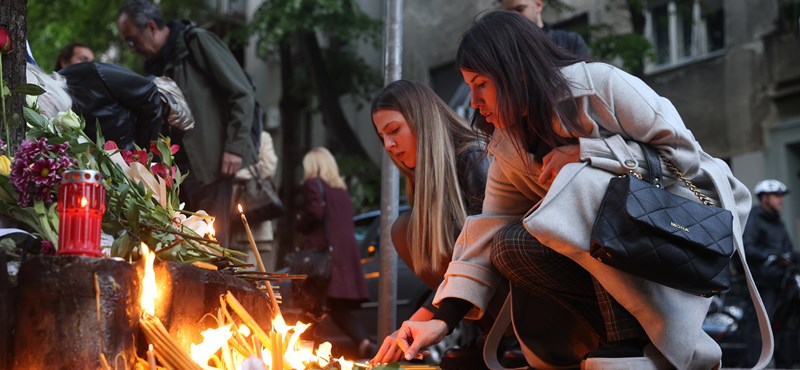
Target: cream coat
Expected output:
[266,166]
[613,106]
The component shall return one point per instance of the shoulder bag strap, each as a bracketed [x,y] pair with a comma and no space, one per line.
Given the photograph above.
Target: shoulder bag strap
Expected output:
[767,340]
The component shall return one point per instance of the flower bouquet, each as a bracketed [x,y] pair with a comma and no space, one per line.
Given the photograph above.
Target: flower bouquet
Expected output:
[142,188]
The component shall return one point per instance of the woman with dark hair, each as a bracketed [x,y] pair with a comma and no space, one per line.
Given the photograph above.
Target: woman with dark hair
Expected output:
[73,53]
[554,114]
[435,149]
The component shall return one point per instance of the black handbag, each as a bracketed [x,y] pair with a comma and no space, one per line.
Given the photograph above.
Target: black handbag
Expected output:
[312,263]
[259,199]
[649,232]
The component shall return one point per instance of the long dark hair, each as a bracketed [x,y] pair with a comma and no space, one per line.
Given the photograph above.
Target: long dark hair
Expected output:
[533,97]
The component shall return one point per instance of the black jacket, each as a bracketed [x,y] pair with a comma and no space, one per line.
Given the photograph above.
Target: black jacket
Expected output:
[127,106]
[765,235]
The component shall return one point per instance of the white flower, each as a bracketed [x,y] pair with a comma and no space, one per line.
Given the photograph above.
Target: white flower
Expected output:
[31,100]
[67,120]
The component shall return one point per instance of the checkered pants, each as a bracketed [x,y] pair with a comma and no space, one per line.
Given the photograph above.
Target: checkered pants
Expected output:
[540,270]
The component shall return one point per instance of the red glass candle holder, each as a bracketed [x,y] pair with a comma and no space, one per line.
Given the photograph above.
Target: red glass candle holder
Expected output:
[81,205]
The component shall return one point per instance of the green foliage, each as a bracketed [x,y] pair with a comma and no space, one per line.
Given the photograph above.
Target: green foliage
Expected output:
[278,20]
[52,24]
[363,182]
[340,22]
[629,48]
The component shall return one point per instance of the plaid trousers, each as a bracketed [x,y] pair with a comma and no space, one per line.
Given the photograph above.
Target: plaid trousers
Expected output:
[538,269]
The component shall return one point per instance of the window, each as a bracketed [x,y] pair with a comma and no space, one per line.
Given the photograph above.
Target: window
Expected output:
[681,30]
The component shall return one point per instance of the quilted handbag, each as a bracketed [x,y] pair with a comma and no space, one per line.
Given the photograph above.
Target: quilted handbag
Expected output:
[649,232]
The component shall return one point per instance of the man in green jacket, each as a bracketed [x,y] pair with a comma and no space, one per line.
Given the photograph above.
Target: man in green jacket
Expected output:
[219,94]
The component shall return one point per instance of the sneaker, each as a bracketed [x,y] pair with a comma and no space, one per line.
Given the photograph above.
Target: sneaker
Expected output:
[626,358]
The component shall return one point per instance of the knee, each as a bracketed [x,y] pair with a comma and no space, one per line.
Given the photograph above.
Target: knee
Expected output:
[505,245]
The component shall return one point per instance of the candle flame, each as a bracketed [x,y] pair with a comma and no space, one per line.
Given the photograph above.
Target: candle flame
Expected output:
[210,232]
[240,208]
[84,202]
[213,340]
[149,287]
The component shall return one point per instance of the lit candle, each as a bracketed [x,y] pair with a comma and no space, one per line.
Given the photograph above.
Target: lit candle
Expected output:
[81,204]
[252,241]
[275,309]
[151,358]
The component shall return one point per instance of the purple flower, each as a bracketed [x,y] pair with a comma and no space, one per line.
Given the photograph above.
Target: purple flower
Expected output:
[43,171]
[47,248]
[36,170]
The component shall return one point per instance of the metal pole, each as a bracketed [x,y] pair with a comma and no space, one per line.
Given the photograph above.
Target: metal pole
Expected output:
[390,193]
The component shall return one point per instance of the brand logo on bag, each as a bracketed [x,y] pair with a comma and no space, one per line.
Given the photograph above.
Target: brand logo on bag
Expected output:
[682,228]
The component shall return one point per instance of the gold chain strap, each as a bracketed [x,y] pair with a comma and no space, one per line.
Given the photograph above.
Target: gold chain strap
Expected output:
[703,198]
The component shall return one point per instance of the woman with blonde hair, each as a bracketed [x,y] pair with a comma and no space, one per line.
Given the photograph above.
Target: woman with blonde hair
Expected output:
[445,165]
[327,222]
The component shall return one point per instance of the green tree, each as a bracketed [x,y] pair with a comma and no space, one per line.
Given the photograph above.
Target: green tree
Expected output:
[52,24]
[291,31]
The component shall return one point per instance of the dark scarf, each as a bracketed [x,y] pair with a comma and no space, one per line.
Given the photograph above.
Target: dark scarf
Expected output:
[156,67]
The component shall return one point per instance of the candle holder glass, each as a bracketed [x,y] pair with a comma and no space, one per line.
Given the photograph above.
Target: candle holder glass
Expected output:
[81,205]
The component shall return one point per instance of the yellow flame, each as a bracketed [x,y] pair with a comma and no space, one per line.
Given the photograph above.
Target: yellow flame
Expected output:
[84,202]
[149,288]
[240,208]
[210,232]
[213,339]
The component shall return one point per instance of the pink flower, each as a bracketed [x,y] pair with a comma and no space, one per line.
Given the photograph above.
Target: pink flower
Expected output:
[110,145]
[135,156]
[161,170]
[172,148]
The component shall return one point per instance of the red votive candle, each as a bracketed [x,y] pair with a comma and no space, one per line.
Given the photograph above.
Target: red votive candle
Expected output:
[81,205]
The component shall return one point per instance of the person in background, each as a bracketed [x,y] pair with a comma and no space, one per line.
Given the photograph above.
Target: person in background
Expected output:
[266,167]
[532,9]
[218,93]
[551,112]
[326,220]
[435,149]
[73,53]
[771,257]
[127,106]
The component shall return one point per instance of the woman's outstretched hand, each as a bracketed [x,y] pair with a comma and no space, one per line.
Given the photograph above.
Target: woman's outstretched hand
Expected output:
[556,159]
[389,351]
[409,340]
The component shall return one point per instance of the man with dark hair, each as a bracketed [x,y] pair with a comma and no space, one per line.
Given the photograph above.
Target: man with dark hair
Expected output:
[218,93]
[532,9]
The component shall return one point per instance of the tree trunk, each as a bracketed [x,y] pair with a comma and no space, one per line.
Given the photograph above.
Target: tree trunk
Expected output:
[12,17]
[345,138]
[292,150]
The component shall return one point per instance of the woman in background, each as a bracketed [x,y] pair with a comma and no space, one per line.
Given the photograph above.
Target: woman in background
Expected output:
[74,53]
[327,222]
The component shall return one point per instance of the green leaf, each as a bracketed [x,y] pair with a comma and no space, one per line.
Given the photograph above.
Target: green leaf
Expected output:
[28,89]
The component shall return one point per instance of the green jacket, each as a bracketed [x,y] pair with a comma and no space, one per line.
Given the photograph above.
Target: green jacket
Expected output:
[220,96]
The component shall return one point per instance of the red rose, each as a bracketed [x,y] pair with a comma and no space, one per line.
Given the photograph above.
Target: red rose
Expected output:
[5,41]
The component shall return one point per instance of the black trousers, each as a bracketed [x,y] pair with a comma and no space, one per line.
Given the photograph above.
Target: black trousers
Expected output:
[534,267]
[214,198]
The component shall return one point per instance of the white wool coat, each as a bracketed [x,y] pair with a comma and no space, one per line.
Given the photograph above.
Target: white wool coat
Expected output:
[615,108]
